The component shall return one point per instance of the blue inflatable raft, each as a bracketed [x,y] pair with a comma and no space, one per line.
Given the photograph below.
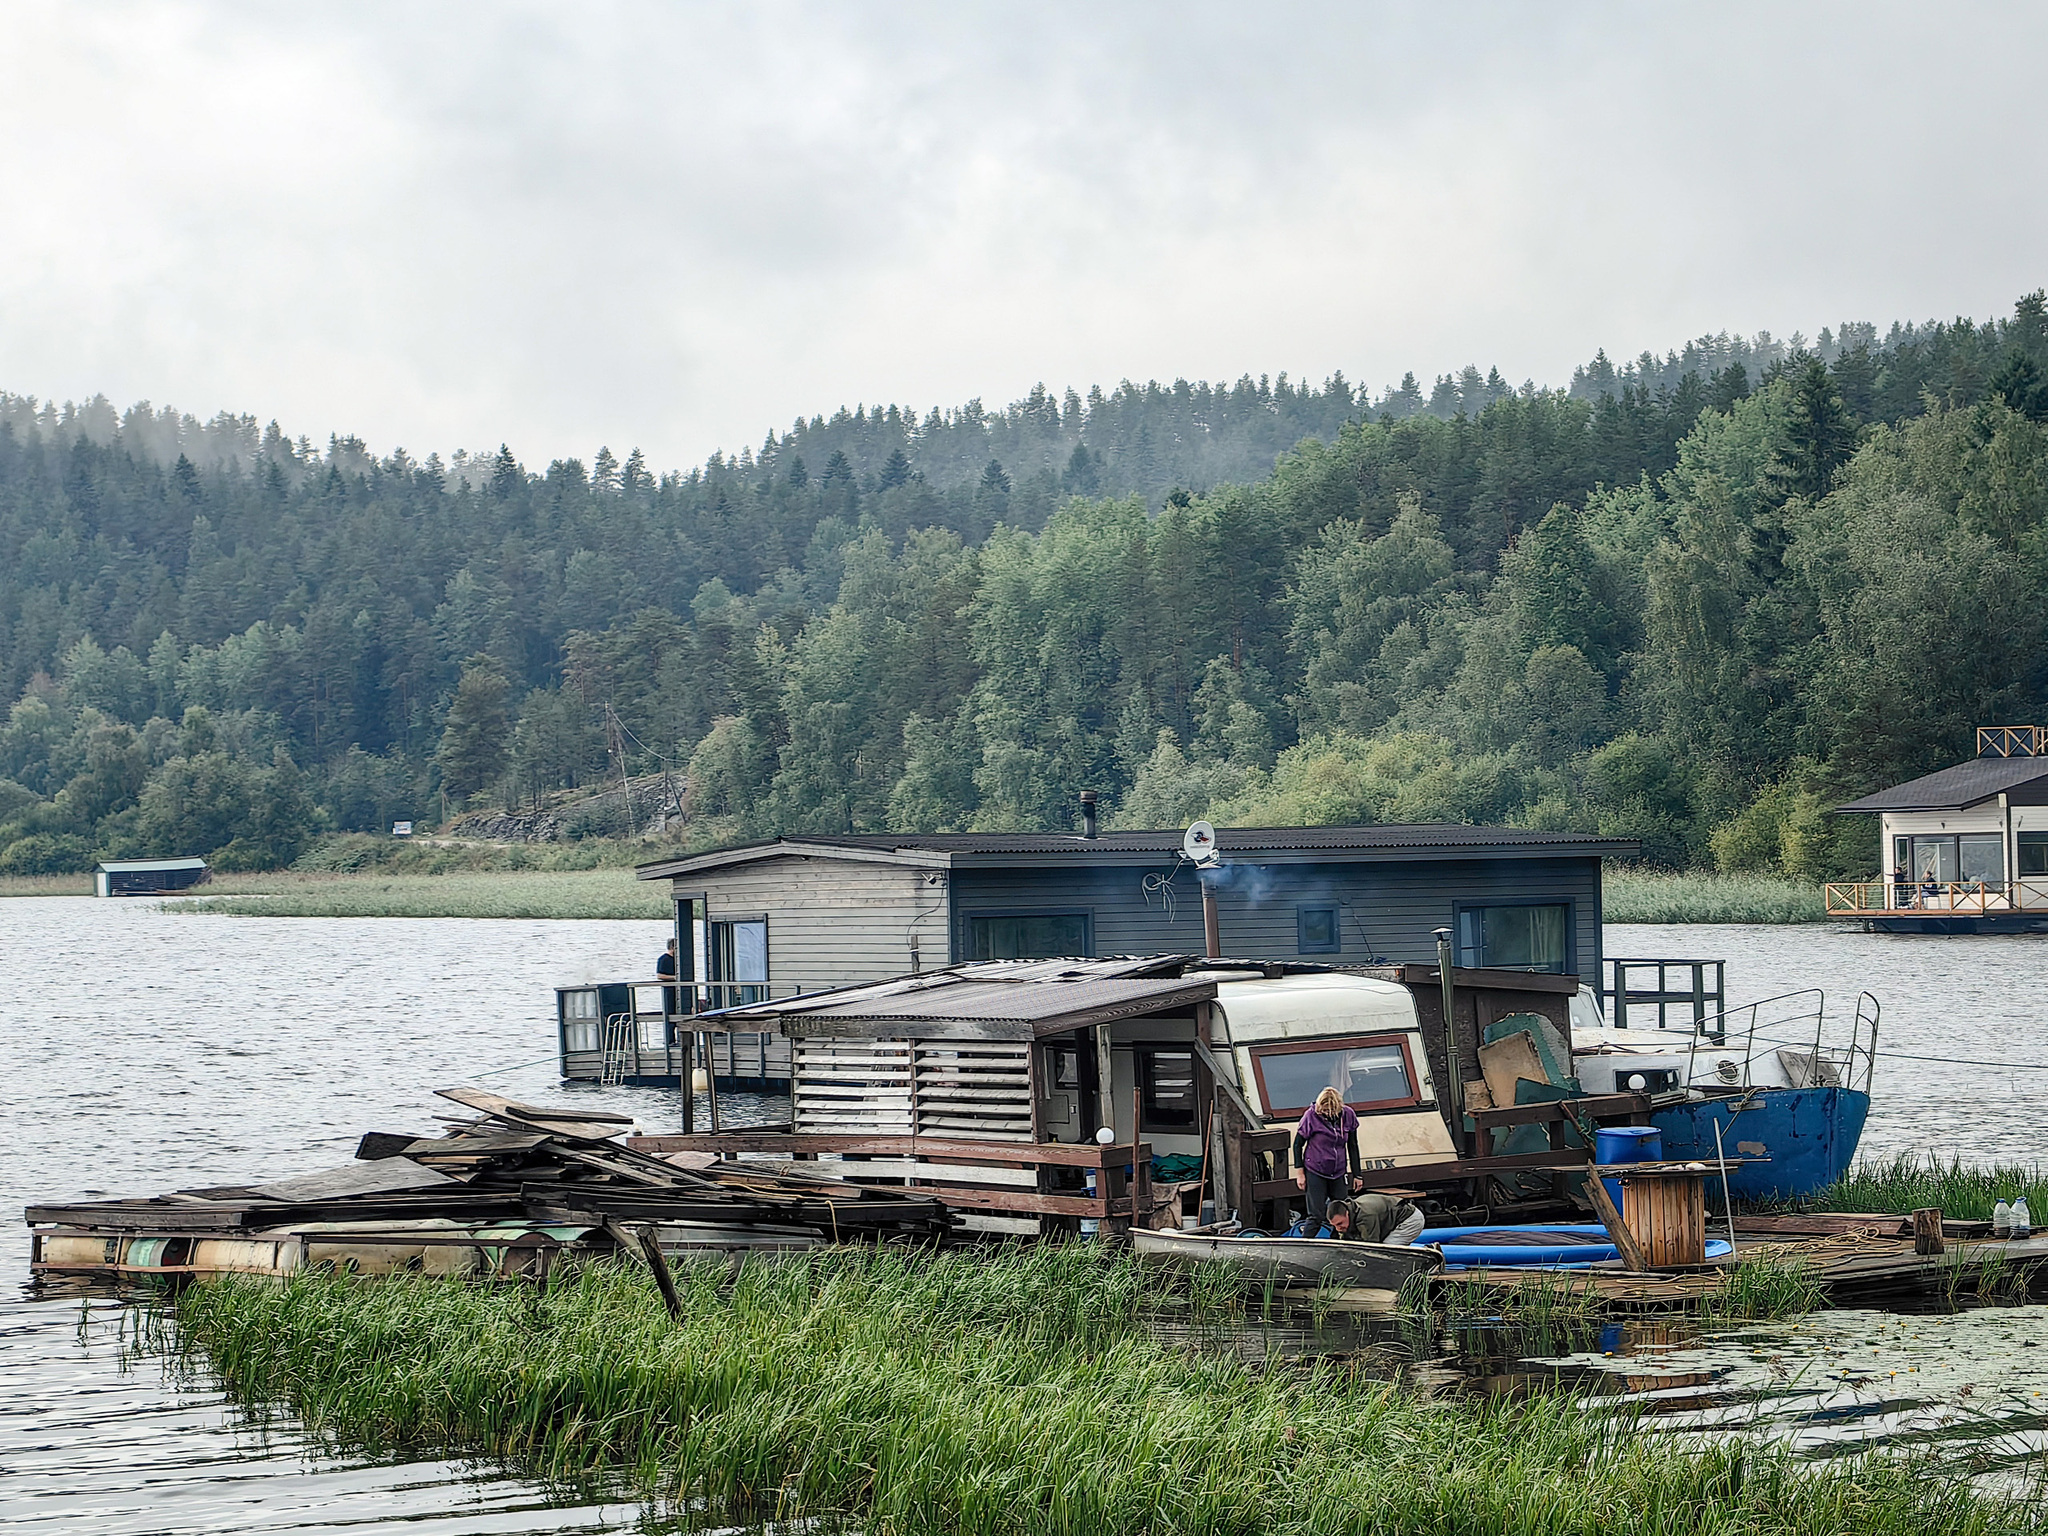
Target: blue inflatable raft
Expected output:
[1553,1247]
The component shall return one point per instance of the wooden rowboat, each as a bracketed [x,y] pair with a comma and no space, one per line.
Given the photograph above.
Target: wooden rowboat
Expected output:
[1294,1260]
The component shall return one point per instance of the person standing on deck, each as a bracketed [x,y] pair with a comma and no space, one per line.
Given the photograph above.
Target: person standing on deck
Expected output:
[1326,1136]
[665,970]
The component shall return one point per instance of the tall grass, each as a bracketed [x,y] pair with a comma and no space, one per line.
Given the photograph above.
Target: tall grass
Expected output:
[595,893]
[45,885]
[1910,1183]
[1660,896]
[1022,1392]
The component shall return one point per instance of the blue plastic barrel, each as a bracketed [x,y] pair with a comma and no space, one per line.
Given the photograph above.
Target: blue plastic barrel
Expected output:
[1626,1144]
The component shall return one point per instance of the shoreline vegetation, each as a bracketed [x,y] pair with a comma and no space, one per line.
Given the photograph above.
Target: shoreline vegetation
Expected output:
[1058,1389]
[362,876]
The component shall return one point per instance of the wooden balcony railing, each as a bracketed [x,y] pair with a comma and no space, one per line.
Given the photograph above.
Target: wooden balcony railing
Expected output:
[2012,741]
[1970,898]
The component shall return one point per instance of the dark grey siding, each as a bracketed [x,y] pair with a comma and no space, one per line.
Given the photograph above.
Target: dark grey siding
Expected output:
[1388,909]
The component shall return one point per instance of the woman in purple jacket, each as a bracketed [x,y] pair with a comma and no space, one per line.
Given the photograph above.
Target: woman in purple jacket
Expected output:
[1327,1133]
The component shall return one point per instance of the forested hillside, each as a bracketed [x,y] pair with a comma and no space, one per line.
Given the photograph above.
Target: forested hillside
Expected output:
[1693,599]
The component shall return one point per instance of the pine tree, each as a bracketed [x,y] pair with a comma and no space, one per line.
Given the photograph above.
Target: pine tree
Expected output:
[1818,439]
[895,470]
[2019,384]
[475,741]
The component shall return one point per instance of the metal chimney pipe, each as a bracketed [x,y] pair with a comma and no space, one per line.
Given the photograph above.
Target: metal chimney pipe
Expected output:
[1088,814]
[1212,927]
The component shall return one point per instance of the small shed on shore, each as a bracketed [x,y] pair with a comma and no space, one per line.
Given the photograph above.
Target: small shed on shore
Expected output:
[147,877]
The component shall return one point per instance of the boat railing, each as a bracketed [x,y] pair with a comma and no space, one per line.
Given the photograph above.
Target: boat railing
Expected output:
[1970,898]
[1686,984]
[1797,1021]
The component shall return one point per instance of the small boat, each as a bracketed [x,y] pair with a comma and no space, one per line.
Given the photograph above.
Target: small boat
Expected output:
[1786,1087]
[1573,1246]
[1301,1260]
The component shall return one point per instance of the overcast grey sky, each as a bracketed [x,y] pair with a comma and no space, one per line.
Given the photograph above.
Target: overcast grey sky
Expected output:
[675,226]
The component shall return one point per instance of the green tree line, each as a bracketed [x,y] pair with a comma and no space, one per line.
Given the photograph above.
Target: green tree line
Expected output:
[1693,599]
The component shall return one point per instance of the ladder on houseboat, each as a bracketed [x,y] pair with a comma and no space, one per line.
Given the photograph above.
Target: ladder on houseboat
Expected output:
[617,1043]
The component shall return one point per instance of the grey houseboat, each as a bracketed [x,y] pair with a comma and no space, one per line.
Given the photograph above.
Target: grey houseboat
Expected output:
[807,913]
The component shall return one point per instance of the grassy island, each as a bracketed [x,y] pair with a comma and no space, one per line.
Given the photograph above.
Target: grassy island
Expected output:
[1041,1390]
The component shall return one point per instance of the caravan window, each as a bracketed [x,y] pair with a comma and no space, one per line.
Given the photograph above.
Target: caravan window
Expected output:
[1372,1072]
[1166,1090]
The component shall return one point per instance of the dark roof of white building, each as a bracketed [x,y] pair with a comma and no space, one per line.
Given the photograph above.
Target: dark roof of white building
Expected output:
[1951,789]
[1278,845]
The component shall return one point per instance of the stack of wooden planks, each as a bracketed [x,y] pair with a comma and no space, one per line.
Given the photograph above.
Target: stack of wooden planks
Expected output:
[512,1164]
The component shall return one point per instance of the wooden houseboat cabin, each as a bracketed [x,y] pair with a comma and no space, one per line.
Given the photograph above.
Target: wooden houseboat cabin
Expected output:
[997,1083]
[1962,850]
[148,877]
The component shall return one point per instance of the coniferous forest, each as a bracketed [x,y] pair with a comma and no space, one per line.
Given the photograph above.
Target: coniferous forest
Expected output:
[1695,599]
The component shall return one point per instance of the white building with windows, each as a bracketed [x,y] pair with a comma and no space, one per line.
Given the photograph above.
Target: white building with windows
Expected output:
[1961,850]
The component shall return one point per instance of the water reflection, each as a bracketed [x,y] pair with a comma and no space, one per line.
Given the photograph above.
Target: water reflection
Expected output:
[146,1051]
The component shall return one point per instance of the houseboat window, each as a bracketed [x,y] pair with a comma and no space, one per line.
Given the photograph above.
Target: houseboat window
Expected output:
[1518,938]
[1166,1090]
[579,1021]
[1972,856]
[1371,1074]
[2033,853]
[1316,931]
[1983,857]
[739,959]
[1028,936]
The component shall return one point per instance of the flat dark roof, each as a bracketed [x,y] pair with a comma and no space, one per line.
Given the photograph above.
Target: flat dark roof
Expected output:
[1951,789]
[1298,845]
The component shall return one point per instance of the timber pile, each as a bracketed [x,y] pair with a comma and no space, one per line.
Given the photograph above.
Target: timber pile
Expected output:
[514,1162]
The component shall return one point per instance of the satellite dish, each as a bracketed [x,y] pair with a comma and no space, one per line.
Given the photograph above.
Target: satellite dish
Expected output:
[1199,844]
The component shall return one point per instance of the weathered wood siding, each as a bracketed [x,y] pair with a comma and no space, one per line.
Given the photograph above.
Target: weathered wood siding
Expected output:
[831,922]
[1388,910]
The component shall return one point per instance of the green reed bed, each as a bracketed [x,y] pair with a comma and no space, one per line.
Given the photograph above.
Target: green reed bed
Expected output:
[1959,1192]
[591,893]
[1661,896]
[1019,1392]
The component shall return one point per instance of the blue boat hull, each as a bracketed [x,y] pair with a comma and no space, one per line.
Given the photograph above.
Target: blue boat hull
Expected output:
[1809,1136]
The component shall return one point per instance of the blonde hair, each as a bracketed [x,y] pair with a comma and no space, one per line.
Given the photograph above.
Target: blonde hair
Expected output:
[1330,1104]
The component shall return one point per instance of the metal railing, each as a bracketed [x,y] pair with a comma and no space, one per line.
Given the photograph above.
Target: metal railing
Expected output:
[1970,898]
[1692,993]
[1791,1020]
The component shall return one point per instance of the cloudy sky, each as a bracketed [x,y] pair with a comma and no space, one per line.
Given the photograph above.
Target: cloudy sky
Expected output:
[673,226]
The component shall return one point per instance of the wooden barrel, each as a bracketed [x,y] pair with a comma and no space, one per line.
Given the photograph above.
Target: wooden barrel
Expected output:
[1667,1215]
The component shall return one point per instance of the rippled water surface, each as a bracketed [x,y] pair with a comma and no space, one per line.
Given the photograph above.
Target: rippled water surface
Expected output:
[145,1050]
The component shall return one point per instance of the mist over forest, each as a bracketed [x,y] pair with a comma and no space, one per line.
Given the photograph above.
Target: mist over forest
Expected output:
[1695,598]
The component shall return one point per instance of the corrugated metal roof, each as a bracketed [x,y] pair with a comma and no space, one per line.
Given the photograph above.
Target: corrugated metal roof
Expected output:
[1951,789]
[1006,997]
[1013,1002]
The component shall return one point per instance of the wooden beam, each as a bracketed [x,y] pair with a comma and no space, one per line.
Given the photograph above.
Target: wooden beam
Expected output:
[1594,1106]
[1624,1240]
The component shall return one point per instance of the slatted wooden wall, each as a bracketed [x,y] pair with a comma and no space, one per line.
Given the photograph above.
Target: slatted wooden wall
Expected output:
[980,1090]
[845,1087]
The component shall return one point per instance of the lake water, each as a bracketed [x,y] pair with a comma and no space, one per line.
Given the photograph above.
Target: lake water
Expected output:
[147,1050]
